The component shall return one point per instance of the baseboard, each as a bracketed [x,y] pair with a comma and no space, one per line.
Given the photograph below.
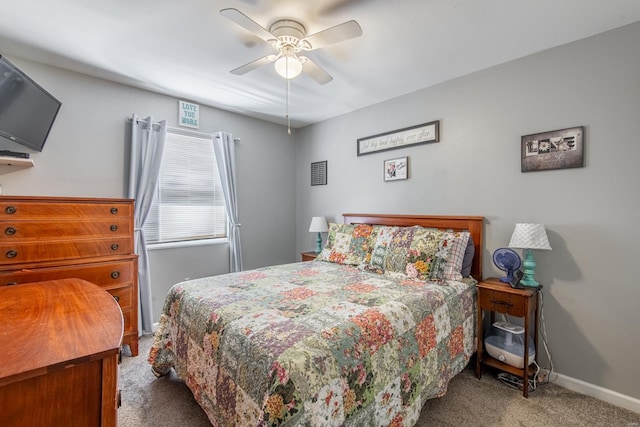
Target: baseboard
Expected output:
[598,392]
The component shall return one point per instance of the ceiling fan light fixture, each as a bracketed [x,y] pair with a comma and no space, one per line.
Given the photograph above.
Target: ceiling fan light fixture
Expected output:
[288,66]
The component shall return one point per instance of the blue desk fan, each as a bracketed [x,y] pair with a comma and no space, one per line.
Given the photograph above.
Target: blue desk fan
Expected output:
[507,260]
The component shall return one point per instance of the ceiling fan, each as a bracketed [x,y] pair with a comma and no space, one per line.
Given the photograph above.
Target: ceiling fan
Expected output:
[289,38]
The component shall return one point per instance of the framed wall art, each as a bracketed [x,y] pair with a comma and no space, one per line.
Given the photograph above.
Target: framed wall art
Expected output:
[319,173]
[396,169]
[420,134]
[557,149]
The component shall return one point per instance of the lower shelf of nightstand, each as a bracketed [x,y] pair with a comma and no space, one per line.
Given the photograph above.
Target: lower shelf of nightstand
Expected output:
[495,363]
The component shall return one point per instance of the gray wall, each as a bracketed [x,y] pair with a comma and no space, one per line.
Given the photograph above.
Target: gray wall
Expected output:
[591,292]
[86,155]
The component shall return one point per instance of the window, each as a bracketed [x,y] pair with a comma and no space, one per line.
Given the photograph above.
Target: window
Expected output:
[188,203]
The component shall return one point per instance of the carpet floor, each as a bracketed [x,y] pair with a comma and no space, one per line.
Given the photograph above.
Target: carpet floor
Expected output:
[167,402]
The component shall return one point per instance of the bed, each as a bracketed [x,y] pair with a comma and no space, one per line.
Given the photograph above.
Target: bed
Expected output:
[364,335]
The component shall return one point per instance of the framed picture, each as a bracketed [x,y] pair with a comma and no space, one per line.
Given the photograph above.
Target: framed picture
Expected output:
[557,149]
[396,169]
[420,134]
[319,173]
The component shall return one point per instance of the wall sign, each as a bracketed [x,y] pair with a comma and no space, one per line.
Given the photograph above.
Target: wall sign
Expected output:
[420,134]
[557,149]
[188,114]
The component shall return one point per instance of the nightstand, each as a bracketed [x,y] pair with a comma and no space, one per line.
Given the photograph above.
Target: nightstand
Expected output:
[309,256]
[495,296]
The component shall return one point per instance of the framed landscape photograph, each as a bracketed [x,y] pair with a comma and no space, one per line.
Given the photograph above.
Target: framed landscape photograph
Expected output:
[557,149]
[396,169]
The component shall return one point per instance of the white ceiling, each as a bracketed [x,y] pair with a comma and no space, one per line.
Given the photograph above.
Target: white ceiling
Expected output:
[186,48]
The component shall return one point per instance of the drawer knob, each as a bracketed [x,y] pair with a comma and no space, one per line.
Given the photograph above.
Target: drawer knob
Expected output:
[10,231]
[113,227]
[12,254]
[115,274]
[10,210]
[114,211]
[114,247]
[117,298]
[11,283]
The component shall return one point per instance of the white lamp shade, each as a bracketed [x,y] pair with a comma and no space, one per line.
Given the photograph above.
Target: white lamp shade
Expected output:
[318,225]
[288,66]
[529,236]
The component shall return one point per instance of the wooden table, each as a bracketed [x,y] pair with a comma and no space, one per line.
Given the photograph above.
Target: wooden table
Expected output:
[59,351]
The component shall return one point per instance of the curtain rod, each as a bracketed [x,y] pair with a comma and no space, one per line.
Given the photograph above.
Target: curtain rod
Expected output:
[180,130]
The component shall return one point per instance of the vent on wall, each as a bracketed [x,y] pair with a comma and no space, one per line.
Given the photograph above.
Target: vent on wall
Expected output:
[319,173]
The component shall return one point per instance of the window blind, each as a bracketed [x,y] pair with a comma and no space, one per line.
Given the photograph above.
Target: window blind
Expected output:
[189,203]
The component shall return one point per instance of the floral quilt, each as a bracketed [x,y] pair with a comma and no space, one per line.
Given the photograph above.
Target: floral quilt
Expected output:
[315,344]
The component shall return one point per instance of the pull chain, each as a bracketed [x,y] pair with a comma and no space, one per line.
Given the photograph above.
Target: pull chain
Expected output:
[286,64]
[287,113]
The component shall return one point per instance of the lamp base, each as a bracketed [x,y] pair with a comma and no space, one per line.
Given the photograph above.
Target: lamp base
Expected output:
[529,283]
[319,243]
[529,265]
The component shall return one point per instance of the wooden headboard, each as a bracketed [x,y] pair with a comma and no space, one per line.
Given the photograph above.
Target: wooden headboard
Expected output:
[474,224]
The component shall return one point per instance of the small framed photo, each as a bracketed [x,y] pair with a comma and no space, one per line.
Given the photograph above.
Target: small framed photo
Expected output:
[557,149]
[396,169]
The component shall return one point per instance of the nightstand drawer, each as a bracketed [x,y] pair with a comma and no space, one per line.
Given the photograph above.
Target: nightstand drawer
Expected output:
[502,302]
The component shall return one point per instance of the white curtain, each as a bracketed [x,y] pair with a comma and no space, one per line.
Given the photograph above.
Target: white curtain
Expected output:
[224,149]
[147,145]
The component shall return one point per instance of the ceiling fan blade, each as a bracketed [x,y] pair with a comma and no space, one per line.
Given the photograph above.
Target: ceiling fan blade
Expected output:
[254,64]
[341,32]
[315,71]
[247,23]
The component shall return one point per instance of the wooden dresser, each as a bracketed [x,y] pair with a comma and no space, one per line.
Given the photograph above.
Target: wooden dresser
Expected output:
[59,355]
[46,238]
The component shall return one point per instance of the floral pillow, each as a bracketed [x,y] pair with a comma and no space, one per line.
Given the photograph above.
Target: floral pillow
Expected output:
[347,244]
[418,252]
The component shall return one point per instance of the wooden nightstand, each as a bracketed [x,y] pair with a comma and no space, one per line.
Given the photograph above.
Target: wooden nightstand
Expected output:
[496,296]
[309,256]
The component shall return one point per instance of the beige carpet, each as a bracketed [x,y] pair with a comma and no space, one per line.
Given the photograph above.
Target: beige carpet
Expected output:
[167,402]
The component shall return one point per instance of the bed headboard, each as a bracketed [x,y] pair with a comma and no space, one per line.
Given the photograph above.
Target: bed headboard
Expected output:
[474,224]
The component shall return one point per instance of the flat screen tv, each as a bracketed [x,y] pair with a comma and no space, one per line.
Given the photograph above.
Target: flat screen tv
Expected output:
[27,111]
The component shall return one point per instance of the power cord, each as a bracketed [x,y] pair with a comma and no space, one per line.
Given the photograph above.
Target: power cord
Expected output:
[549,375]
[516,382]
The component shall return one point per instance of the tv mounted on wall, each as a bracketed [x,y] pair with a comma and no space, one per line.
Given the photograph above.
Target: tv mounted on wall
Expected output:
[27,111]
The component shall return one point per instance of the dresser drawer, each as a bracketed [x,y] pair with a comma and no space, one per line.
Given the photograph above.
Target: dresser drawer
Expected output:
[127,317]
[106,274]
[33,210]
[23,252]
[502,302]
[122,295]
[13,231]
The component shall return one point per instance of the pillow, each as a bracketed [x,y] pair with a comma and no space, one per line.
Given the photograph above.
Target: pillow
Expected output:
[468,258]
[455,257]
[347,244]
[418,252]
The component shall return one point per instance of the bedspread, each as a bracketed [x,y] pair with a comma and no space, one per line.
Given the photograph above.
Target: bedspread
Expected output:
[315,343]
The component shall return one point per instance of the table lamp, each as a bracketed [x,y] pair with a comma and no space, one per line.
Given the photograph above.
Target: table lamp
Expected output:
[528,237]
[318,225]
